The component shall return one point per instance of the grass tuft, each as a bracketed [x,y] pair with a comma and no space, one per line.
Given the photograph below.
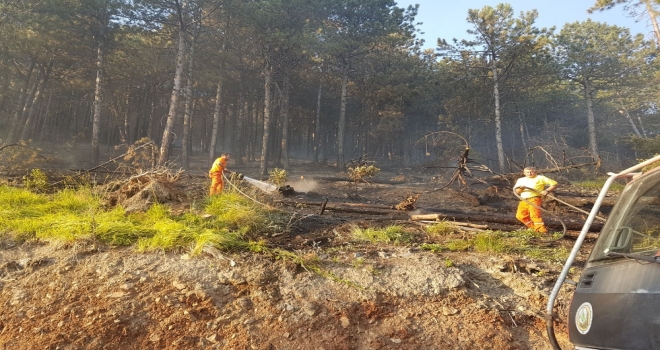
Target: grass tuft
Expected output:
[390,234]
[234,211]
[442,228]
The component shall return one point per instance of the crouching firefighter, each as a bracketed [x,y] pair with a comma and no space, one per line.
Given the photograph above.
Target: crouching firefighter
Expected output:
[531,189]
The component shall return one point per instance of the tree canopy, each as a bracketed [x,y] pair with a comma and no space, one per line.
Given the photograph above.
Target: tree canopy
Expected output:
[323,80]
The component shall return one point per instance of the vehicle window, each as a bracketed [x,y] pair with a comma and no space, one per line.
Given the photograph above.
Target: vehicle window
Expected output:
[638,231]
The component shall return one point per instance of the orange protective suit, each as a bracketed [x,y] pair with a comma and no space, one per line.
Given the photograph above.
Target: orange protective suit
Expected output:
[530,215]
[533,186]
[215,174]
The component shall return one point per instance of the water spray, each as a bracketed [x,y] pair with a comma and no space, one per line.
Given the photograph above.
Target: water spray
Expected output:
[264,186]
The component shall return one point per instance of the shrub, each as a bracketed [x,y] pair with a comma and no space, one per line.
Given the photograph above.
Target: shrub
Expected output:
[278,176]
[36,181]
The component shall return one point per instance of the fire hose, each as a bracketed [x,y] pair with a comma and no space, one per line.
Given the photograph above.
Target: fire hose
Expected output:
[241,177]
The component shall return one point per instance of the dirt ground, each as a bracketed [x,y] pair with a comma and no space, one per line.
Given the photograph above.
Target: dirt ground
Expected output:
[86,296]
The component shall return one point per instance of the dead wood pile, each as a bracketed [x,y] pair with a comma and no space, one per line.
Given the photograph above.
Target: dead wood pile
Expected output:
[408,203]
[140,192]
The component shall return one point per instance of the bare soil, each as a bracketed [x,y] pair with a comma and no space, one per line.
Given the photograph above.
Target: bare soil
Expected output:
[87,296]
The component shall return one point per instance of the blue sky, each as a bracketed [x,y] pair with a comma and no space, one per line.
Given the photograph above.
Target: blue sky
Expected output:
[446,19]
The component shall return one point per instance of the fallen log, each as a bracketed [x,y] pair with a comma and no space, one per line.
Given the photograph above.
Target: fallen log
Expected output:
[374,181]
[507,219]
[343,204]
[360,208]
[587,201]
[362,211]
[455,223]
[494,221]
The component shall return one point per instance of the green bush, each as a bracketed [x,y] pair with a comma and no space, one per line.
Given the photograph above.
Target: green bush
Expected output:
[278,177]
[36,181]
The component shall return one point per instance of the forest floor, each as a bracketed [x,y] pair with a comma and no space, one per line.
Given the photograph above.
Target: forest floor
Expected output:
[371,296]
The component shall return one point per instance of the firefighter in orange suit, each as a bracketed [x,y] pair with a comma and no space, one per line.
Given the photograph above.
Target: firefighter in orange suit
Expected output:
[531,189]
[217,169]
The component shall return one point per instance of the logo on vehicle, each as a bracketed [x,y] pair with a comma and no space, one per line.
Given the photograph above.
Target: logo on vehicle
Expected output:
[583,318]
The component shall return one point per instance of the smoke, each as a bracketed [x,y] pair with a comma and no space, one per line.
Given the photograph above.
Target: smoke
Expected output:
[304,184]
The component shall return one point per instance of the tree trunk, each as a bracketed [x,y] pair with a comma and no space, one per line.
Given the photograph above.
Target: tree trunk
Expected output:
[641,126]
[285,124]
[241,117]
[254,132]
[653,15]
[185,157]
[263,167]
[16,119]
[27,105]
[174,100]
[216,121]
[45,74]
[522,133]
[26,116]
[152,109]
[593,146]
[317,124]
[243,131]
[96,119]
[625,113]
[341,125]
[44,124]
[498,116]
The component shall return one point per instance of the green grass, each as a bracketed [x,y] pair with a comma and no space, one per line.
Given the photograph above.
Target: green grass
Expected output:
[70,215]
[432,247]
[390,234]
[442,228]
[491,243]
[598,183]
[525,242]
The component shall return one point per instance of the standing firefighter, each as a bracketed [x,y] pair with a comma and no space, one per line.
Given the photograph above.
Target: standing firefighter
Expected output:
[217,169]
[531,189]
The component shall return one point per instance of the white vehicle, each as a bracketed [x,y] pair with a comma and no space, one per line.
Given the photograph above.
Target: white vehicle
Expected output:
[616,302]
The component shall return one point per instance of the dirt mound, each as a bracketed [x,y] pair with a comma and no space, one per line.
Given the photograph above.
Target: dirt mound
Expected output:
[85,297]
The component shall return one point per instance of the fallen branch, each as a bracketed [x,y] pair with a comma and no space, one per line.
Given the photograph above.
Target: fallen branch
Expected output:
[433,218]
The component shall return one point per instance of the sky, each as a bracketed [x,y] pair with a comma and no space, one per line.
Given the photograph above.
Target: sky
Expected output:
[446,18]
